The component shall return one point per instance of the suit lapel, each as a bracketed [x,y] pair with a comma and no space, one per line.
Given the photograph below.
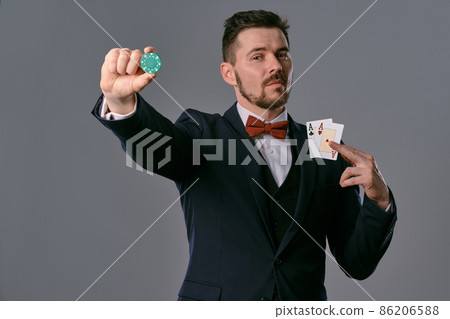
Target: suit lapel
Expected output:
[307,183]
[253,169]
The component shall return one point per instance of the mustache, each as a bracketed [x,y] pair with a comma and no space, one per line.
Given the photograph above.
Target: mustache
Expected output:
[277,76]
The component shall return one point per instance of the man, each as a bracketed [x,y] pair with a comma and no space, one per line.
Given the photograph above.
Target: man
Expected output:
[257,229]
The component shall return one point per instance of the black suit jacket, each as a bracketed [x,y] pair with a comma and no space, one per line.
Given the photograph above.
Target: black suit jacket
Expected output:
[232,253]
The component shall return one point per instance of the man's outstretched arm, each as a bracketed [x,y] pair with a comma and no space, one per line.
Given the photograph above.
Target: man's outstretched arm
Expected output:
[121,80]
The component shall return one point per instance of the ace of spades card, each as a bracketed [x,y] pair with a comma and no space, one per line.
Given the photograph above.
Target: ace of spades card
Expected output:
[319,134]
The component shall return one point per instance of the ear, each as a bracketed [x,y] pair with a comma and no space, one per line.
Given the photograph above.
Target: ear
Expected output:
[228,73]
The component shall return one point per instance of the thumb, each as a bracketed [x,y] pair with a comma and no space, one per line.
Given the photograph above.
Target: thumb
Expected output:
[142,81]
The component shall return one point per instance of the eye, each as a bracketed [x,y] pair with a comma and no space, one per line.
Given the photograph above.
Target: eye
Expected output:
[257,57]
[283,56]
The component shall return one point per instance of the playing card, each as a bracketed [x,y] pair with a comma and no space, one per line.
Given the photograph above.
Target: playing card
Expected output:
[315,130]
[319,134]
[313,127]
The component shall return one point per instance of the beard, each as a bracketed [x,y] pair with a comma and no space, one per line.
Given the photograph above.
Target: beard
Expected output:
[263,101]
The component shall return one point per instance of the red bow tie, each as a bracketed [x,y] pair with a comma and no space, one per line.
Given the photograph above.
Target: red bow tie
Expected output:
[255,127]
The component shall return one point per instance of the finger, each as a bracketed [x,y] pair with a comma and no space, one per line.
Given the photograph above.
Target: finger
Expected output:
[370,157]
[350,154]
[142,81]
[149,49]
[351,172]
[339,148]
[133,64]
[346,159]
[358,152]
[357,180]
[112,57]
[105,67]
[122,61]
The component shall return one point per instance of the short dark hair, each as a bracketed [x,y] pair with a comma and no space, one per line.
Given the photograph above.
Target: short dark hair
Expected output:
[244,20]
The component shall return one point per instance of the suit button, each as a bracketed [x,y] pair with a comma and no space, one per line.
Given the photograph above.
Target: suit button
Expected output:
[275,223]
[278,261]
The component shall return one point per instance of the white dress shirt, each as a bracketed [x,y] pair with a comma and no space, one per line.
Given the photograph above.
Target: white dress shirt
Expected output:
[276,152]
[105,113]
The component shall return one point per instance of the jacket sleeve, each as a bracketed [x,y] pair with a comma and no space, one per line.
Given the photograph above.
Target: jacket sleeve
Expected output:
[153,142]
[360,234]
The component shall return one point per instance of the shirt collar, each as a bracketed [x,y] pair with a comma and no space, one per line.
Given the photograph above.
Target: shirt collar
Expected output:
[244,113]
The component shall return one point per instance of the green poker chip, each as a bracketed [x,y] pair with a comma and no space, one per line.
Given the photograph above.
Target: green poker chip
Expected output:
[150,62]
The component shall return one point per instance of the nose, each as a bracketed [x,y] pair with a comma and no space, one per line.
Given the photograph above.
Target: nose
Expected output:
[274,65]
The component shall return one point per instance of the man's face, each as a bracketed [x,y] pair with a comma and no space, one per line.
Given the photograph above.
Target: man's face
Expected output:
[263,67]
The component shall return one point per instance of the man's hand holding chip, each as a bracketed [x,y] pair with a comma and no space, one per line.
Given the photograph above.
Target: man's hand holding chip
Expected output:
[122,77]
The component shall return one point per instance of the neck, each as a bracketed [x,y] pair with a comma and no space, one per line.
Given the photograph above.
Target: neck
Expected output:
[267,114]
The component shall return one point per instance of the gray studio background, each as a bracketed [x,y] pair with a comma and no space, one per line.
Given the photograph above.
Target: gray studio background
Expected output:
[69,206]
